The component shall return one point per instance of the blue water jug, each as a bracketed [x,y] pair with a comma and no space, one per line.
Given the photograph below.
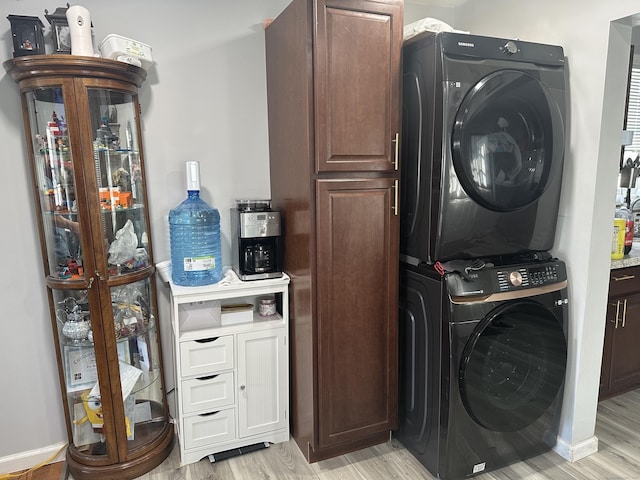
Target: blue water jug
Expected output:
[194,229]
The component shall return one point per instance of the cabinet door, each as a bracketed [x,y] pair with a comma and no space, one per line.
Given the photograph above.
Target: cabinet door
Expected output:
[356,84]
[625,361]
[263,386]
[357,305]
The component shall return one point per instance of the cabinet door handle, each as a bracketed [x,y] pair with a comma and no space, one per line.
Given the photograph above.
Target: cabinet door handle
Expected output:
[617,312]
[243,387]
[207,340]
[624,313]
[624,277]
[395,198]
[397,147]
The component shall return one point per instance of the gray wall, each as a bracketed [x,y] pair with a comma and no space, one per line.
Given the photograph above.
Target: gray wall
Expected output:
[205,99]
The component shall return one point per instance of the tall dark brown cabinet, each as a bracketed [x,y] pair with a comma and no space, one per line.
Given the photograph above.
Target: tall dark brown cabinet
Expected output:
[82,126]
[333,75]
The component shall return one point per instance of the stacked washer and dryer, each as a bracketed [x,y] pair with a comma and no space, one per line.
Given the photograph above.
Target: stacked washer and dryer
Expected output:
[483,317]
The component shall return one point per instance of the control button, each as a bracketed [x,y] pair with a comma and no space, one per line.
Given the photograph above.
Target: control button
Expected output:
[509,48]
[515,278]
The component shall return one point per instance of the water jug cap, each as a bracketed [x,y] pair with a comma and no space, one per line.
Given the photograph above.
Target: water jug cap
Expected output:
[193,175]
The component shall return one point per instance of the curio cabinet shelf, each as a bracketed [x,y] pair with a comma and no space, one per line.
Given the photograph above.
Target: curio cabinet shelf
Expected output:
[82,125]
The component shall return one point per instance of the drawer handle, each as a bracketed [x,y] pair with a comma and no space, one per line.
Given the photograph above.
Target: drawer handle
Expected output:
[624,277]
[208,377]
[209,414]
[207,340]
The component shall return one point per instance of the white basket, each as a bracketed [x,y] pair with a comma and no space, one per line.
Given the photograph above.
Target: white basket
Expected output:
[126,50]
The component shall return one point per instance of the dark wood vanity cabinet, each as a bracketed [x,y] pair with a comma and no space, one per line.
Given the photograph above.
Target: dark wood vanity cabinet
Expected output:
[621,354]
[333,88]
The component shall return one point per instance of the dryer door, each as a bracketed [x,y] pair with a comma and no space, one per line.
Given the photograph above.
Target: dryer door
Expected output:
[513,366]
[507,140]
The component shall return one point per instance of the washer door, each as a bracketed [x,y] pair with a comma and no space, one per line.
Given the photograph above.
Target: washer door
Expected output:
[507,140]
[513,366]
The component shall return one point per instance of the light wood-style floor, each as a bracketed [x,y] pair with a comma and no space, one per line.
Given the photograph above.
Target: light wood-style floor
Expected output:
[618,458]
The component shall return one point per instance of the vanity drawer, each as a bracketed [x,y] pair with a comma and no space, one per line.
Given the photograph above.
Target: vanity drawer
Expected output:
[204,394]
[206,356]
[209,429]
[623,281]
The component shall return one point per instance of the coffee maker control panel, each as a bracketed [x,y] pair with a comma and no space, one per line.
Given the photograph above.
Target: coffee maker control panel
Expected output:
[259,224]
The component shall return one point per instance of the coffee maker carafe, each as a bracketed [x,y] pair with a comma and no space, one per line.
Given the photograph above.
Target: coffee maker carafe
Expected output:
[256,243]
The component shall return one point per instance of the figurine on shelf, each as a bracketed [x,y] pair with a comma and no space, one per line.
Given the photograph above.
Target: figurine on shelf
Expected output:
[93,409]
[75,324]
[121,178]
[104,135]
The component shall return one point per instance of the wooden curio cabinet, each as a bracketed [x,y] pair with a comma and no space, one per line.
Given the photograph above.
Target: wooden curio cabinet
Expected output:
[82,125]
[333,88]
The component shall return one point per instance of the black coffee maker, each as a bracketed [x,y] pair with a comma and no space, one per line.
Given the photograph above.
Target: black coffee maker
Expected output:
[256,244]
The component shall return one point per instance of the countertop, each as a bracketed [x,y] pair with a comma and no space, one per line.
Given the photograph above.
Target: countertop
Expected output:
[631,260]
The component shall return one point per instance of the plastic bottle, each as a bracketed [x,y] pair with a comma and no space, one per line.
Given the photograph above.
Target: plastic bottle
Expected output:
[635,209]
[623,212]
[617,242]
[194,228]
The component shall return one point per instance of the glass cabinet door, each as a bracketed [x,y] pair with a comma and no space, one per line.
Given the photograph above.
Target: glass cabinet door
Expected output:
[135,331]
[119,179]
[54,177]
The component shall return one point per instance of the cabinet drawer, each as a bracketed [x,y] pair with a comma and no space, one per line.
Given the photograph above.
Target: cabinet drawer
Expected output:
[209,429]
[206,356]
[623,281]
[207,393]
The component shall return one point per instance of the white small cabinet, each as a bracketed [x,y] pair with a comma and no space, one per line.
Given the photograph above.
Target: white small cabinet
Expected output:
[231,375]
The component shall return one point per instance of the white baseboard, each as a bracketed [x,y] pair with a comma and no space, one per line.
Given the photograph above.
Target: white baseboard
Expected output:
[576,451]
[26,460]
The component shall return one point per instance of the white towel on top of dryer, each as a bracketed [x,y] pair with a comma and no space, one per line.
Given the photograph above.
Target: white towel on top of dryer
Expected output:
[427,24]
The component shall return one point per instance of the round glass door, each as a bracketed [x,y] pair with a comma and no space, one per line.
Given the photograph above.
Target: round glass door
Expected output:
[513,366]
[507,140]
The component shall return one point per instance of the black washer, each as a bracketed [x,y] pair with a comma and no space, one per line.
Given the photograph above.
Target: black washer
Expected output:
[482,364]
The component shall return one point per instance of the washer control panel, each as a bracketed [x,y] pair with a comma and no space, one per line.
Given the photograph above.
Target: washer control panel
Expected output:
[524,277]
[507,278]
